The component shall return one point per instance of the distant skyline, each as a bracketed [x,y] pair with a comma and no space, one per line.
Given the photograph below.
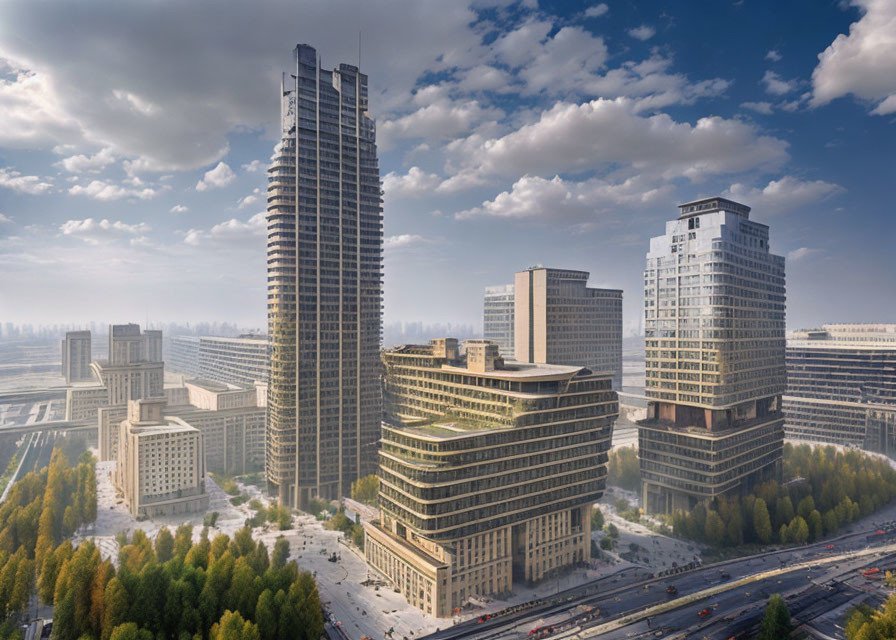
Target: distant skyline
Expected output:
[135,139]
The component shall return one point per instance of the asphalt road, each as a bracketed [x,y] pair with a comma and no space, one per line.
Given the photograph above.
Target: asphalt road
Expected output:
[629,592]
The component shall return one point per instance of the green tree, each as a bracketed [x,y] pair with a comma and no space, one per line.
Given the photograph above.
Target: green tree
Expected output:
[805,508]
[164,545]
[266,615]
[762,524]
[280,554]
[116,607]
[129,631]
[783,511]
[816,528]
[366,489]
[776,621]
[798,531]
[232,626]
[597,518]
[714,529]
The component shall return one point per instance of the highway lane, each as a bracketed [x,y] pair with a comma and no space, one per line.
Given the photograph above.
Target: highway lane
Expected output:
[628,593]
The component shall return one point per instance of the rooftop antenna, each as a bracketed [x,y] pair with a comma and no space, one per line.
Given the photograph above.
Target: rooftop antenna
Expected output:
[359,50]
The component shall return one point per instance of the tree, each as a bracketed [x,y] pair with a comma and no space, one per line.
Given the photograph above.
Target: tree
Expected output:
[116,607]
[762,524]
[816,528]
[776,621]
[612,531]
[806,507]
[623,469]
[714,529]
[366,489]
[734,532]
[266,615]
[232,626]
[783,511]
[280,554]
[164,545]
[597,518]
[129,631]
[798,531]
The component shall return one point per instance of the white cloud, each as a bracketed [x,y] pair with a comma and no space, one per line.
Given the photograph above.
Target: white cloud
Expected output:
[597,10]
[783,195]
[254,166]
[801,253]
[247,201]
[861,63]
[5,219]
[777,85]
[564,201]
[566,60]
[773,55]
[220,176]
[81,163]
[179,208]
[34,185]
[764,108]
[588,136]
[234,232]
[440,118]
[94,231]
[403,241]
[644,32]
[100,190]
[172,107]
[461,181]
[485,77]
[414,183]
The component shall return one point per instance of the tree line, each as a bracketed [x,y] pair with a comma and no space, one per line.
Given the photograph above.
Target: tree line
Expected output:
[864,623]
[825,489]
[172,587]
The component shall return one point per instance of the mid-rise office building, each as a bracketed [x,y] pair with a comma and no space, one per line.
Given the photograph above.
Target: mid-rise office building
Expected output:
[76,356]
[841,385]
[488,471]
[715,339]
[160,466]
[133,370]
[558,319]
[497,318]
[230,418]
[324,285]
[243,360]
[183,356]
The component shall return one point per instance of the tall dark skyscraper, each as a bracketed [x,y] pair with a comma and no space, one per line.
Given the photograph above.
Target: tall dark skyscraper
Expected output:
[714,302]
[325,241]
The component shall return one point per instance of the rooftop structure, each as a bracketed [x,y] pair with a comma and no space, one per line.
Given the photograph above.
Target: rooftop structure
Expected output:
[76,356]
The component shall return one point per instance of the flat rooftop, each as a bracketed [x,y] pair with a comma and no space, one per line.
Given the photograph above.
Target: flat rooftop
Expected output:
[212,385]
[513,370]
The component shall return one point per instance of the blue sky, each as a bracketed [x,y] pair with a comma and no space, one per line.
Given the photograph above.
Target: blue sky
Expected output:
[134,138]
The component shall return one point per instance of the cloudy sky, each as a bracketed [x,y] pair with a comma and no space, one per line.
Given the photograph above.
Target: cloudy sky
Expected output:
[134,138]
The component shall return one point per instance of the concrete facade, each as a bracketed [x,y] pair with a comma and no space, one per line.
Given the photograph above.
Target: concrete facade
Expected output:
[488,470]
[76,356]
[160,463]
[325,240]
[560,320]
[714,330]
[841,385]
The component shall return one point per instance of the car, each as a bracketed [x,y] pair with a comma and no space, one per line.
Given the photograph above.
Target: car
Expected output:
[879,532]
[725,575]
[829,547]
[704,613]
[671,589]
[484,618]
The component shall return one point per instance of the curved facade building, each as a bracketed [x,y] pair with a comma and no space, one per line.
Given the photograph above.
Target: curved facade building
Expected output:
[324,285]
[488,471]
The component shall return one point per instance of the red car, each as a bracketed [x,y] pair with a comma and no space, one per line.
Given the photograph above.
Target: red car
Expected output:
[705,613]
[484,618]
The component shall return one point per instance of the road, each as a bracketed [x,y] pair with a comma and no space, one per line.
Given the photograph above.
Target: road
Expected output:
[38,449]
[629,592]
